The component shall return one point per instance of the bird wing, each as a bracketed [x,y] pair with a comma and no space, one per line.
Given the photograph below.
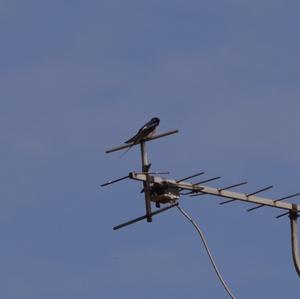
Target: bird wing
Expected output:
[143,132]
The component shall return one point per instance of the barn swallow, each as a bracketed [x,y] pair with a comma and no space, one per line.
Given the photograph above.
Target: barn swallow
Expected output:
[146,131]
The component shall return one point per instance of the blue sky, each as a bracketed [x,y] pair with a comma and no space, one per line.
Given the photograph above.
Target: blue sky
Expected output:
[78,78]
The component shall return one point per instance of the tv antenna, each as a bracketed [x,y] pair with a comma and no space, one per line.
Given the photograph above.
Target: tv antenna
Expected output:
[162,191]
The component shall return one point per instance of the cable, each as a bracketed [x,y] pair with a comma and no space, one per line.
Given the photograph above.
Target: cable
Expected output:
[208,251]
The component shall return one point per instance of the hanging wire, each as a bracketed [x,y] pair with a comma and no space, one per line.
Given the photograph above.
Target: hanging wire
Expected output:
[208,251]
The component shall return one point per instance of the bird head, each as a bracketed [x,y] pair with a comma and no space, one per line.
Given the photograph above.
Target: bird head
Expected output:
[156,120]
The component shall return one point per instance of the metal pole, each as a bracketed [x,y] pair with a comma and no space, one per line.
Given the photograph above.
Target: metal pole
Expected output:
[145,170]
[294,237]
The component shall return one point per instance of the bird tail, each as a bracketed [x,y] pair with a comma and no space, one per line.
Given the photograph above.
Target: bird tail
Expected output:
[123,154]
[131,139]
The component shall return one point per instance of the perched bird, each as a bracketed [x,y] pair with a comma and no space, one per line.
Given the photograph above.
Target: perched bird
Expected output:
[146,131]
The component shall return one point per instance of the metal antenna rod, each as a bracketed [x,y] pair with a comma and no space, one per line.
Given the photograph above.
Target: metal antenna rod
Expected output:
[196,194]
[261,190]
[115,181]
[247,195]
[221,189]
[144,140]
[281,215]
[214,191]
[144,217]
[209,180]
[202,182]
[155,172]
[279,199]
[232,186]
[190,177]
[145,169]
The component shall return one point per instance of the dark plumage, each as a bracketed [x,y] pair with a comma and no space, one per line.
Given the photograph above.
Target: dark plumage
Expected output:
[146,131]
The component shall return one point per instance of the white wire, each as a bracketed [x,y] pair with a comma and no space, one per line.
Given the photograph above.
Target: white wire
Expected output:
[208,251]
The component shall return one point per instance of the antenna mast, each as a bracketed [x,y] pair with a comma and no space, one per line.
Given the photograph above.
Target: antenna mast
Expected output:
[162,191]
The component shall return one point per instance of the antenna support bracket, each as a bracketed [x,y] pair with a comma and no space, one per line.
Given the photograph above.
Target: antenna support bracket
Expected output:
[294,237]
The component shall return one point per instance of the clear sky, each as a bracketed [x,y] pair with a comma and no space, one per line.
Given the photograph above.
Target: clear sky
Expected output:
[79,77]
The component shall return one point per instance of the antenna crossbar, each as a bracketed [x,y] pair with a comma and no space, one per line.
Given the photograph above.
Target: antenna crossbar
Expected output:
[279,199]
[159,180]
[246,198]
[217,192]
[248,194]
[144,140]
